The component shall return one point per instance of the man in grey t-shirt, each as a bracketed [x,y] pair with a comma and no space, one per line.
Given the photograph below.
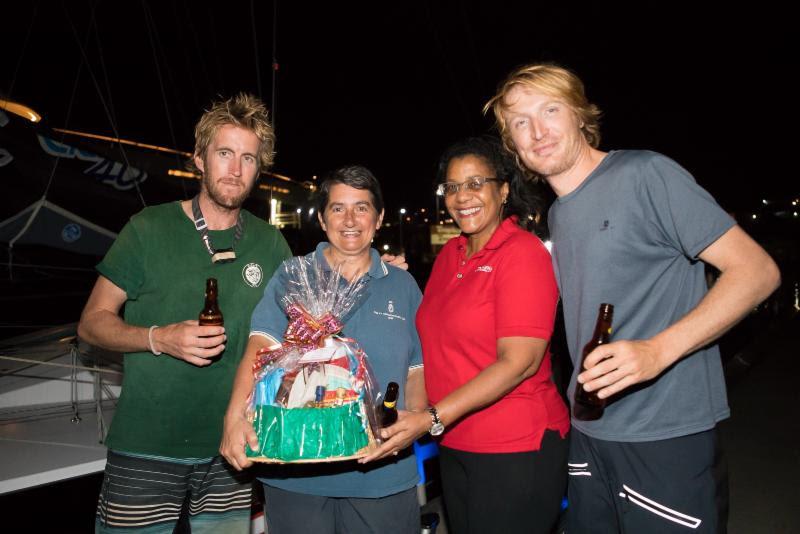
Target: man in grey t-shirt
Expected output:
[632,228]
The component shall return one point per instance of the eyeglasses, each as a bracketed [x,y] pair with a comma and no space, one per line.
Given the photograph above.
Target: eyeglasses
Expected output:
[473,185]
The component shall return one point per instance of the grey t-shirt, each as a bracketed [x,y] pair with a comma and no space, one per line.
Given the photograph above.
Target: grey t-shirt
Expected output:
[630,235]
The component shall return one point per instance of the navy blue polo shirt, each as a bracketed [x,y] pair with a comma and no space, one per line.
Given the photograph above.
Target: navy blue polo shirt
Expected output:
[383,324]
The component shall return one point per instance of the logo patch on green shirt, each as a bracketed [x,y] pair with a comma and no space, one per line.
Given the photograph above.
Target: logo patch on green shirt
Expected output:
[252,274]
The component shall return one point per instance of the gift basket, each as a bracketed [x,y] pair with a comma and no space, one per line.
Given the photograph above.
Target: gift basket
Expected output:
[314,395]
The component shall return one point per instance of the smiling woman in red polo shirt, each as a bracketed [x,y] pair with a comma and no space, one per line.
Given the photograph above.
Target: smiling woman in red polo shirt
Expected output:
[485,324]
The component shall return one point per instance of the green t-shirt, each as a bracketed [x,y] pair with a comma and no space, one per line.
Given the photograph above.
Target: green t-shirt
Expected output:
[169,407]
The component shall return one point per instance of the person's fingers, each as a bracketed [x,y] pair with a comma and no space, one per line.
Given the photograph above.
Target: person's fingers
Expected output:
[207,353]
[616,387]
[194,360]
[211,341]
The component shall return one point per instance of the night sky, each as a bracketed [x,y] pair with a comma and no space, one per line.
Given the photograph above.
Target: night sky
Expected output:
[389,85]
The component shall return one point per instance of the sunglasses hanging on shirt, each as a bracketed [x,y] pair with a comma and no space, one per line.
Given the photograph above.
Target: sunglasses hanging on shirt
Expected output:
[223,255]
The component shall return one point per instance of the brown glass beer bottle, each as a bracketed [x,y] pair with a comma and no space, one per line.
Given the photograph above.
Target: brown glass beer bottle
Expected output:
[211,314]
[387,412]
[587,406]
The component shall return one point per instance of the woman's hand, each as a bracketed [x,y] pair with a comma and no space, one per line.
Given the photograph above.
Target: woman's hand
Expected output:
[237,431]
[409,427]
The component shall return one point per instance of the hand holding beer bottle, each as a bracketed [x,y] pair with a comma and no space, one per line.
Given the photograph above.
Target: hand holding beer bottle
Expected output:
[587,406]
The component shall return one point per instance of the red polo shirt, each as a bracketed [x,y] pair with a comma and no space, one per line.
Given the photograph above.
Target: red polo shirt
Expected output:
[507,289]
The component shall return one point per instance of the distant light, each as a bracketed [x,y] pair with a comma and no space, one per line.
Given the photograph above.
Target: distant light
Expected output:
[755,216]
[314,177]
[422,210]
[764,201]
[795,214]
[387,225]
[299,210]
[426,220]
[20,109]
[794,203]
[402,211]
[385,247]
[311,211]
[408,219]
[548,245]
[272,188]
[182,174]
[441,222]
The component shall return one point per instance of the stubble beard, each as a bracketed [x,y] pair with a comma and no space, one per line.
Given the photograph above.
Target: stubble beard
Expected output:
[226,202]
[567,161]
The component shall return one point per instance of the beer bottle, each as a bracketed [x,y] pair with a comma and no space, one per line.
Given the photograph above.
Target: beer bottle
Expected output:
[588,406]
[319,397]
[211,315]
[387,412]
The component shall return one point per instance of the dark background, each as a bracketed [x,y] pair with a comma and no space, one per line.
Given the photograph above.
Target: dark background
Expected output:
[389,85]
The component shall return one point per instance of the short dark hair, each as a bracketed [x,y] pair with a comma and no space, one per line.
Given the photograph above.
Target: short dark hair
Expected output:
[355,176]
[523,200]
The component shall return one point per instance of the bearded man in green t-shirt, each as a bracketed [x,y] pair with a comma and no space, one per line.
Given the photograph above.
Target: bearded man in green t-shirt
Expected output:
[163,443]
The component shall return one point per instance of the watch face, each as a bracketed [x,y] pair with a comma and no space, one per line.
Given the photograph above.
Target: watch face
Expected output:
[437,429]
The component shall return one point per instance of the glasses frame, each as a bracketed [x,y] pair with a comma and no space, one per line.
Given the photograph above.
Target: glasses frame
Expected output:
[473,184]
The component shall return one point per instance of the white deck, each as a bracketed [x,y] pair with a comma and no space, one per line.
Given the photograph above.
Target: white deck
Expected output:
[48,450]
[42,375]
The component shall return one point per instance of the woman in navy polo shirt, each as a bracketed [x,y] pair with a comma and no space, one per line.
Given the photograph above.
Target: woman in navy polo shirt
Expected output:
[485,322]
[343,497]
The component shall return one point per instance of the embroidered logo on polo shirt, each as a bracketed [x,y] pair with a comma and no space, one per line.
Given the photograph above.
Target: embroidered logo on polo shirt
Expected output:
[389,313]
[484,269]
[252,274]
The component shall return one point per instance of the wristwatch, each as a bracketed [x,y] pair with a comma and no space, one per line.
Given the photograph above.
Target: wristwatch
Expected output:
[436,427]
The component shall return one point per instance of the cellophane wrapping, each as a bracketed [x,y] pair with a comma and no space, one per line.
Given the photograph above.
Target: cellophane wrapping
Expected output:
[314,396]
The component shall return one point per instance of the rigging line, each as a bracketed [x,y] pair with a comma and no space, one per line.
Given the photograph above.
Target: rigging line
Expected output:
[187,17]
[100,95]
[189,72]
[22,52]
[71,102]
[152,35]
[274,105]
[103,66]
[255,47]
[220,87]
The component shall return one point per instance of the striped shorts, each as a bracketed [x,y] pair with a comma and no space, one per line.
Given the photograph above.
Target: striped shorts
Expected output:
[146,494]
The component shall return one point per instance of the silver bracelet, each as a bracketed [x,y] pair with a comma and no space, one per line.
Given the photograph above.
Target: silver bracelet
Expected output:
[150,340]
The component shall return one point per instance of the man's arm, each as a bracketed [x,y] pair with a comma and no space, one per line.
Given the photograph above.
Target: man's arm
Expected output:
[748,276]
[101,325]
[398,261]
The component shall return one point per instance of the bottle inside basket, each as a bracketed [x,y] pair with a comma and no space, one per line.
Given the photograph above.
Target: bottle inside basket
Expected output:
[319,398]
[387,412]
